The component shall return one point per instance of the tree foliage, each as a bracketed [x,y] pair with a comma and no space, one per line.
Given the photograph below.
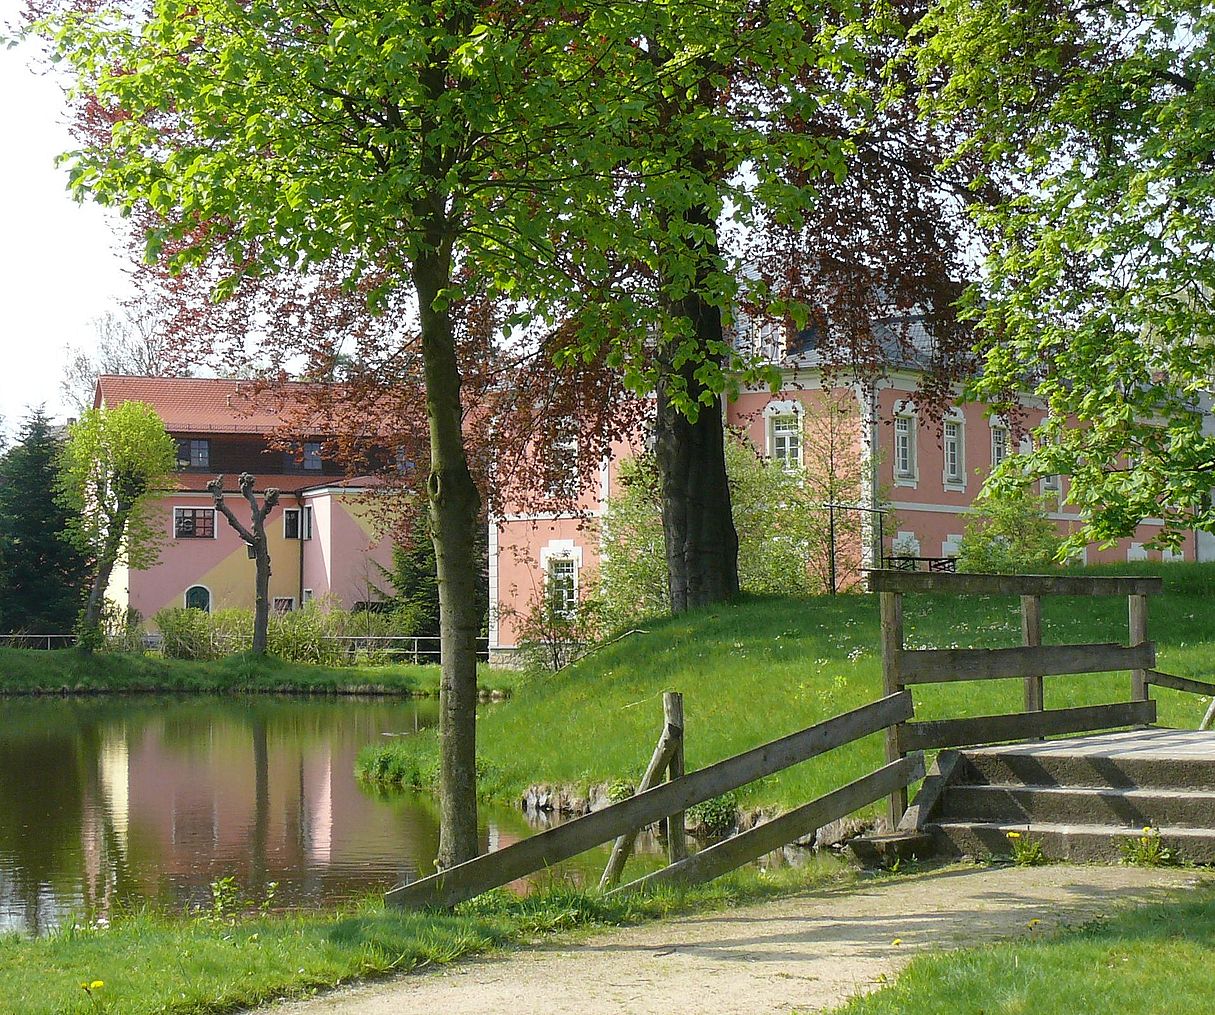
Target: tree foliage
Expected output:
[41,574]
[114,458]
[1093,125]
[1010,532]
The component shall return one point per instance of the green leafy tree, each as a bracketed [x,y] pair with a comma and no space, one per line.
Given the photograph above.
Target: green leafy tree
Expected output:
[1009,532]
[1097,200]
[416,583]
[112,461]
[41,574]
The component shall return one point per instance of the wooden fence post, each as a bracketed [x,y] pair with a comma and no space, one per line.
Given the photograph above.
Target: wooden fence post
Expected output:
[672,709]
[1138,620]
[669,741]
[892,651]
[1031,634]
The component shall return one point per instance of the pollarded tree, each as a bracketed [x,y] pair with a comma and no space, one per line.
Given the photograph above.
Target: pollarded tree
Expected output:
[41,574]
[112,460]
[1092,122]
[254,536]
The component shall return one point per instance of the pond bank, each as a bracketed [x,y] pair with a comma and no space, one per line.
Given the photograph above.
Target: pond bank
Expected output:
[70,671]
[146,962]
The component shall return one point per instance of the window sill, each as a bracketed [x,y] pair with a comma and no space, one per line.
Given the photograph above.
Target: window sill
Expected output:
[954,487]
[909,481]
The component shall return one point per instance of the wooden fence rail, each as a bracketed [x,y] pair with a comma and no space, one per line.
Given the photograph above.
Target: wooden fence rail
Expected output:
[935,666]
[492,870]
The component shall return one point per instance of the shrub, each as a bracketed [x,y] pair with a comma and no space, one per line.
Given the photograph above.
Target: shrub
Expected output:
[1010,533]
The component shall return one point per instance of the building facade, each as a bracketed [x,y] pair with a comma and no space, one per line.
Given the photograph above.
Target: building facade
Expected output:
[321,536]
[916,479]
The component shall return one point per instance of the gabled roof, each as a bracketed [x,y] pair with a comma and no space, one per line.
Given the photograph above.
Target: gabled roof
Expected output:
[201,405]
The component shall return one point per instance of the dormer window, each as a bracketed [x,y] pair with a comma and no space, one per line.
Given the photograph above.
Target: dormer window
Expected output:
[194,454]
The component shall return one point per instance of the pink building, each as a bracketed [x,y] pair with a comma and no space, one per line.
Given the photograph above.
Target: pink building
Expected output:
[321,537]
[924,474]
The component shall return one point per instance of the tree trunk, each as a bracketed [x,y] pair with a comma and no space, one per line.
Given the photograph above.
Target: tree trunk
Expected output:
[261,598]
[455,510]
[697,521]
[90,621]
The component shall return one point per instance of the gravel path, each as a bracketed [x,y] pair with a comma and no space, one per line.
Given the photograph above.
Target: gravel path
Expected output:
[807,952]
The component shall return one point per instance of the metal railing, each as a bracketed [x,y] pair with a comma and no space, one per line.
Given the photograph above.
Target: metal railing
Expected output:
[415,648]
[906,562]
[38,641]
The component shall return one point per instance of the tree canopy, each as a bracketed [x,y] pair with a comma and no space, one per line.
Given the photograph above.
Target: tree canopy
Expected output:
[1095,130]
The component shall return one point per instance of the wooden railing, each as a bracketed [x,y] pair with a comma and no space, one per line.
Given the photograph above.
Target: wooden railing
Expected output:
[1031,661]
[662,800]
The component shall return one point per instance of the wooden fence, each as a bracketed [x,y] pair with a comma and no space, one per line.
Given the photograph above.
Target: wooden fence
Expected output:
[665,800]
[1031,661]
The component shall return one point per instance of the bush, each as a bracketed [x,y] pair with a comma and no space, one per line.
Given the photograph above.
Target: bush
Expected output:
[318,633]
[1010,533]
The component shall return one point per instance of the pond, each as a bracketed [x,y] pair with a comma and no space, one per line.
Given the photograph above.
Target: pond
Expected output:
[109,802]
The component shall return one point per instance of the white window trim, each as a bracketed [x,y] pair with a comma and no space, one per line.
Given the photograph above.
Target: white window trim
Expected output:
[562,549]
[795,415]
[951,484]
[192,507]
[303,512]
[198,585]
[309,595]
[912,478]
[998,424]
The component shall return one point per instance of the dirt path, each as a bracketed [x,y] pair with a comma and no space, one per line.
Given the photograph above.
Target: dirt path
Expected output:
[807,952]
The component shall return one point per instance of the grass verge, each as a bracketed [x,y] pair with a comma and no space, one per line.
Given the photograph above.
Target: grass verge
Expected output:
[147,962]
[28,671]
[1156,960]
[762,668]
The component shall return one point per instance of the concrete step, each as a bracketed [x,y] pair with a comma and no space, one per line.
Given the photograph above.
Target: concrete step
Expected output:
[1139,759]
[1079,842]
[1131,808]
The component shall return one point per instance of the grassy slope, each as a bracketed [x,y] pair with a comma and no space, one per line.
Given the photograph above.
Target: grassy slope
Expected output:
[26,671]
[763,668]
[1151,961]
[152,963]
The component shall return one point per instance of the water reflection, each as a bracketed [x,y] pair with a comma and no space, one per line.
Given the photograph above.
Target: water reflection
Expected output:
[106,802]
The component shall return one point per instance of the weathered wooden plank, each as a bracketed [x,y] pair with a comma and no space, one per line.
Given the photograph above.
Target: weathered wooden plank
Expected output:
[750,845]
[664,750]
[1031,635]
[1138,623]
[931,791]
[471,878]
[1180,683]
[1012,584]
[992,729]
[891,604]
[677,843]
[937,666]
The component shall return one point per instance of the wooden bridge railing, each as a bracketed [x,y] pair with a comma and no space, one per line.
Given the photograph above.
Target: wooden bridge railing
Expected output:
[492,870]
[1031,661]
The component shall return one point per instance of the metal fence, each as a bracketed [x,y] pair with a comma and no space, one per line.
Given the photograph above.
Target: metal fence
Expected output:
[38,641]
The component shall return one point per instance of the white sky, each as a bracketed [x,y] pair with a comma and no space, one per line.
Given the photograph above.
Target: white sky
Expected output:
[60,264]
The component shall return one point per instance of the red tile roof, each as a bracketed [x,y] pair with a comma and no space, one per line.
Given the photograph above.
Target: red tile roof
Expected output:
[200,405]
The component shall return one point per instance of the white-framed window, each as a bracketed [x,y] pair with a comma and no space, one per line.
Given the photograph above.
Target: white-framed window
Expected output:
[283,604]
[297,523]
[193,523]
[953,448]
[785,440]
[951,545]
[1136,551]
[308,596]
[1001,443]
[1172,556]
[563,480]
[194,453]
[904,447]
[312,456]
[561,585]
[198,597]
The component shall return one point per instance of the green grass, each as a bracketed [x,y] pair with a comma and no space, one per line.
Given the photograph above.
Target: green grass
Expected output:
[1157,960]
[766,667]
[28,671]
[151,962]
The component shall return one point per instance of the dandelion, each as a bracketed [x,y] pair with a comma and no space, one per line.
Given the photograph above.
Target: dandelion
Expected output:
[897,941]
[1033,923]
[1014,835]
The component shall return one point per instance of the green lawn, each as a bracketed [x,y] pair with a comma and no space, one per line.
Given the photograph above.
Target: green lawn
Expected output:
[765,667]
[28,671]
[1158,960]
[154,963]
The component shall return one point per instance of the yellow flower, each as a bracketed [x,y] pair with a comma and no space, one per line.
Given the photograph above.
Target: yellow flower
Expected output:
[96,984]
[897,941]
[1147,829]
[1033,923]
[1014,835]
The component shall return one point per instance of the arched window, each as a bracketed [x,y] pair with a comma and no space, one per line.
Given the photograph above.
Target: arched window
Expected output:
[198,597]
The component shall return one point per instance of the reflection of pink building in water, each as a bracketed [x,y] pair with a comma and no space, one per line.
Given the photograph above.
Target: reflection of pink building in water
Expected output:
[322,540]
[924,474]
